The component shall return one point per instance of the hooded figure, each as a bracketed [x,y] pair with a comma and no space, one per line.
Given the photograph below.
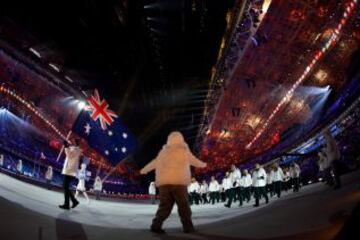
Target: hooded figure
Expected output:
[80,188]
[172,176]
[333,156]
[98,187]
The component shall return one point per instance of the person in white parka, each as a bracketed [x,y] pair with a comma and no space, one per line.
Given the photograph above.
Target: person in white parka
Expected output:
[49,176]
[194,189]
[70,168]
[214,190]
[98,185]
[295,172]
[246,182]
[80,188]
[1,160]
[235,175]
[278,177]
[152,192]
[19,167]
[204,189]
[259,184]
[269,182]
[333,156]
[229,189]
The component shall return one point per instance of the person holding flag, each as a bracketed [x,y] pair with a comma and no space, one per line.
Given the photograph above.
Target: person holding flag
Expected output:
[104,132]
[70,169]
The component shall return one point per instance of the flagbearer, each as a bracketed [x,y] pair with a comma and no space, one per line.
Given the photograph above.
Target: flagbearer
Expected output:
[70,168]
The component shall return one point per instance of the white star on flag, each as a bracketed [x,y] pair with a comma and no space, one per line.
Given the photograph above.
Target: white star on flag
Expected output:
[87,129]
[123,149]
[110,133]
[125,135]
[106,152]
[116,149]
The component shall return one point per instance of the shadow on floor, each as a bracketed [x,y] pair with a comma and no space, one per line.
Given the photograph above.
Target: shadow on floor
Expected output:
[67,229]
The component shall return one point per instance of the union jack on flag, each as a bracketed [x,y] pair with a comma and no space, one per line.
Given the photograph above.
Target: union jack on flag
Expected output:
[99,110]
[104,131]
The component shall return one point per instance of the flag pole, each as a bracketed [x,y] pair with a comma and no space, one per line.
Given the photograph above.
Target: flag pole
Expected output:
[114,168]
[98,170]
[62,148]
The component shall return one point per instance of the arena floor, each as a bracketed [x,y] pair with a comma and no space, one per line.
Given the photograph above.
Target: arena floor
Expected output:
[316,212]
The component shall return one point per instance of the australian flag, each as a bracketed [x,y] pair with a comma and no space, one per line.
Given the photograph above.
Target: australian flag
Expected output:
[104,131]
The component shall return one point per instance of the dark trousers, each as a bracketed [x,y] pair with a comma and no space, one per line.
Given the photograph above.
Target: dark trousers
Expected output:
[223,196]
[152,198]
[270,189]
[336,171]
[68,195]
[296,184]
[48,182]
[194,197]
[240,195]
[237,193]
[260,191]
[285,185]
[97,194]
[230,194]
[328,177]
[169,195]
[246,193]
[204,198]
[213,197]
[277,188]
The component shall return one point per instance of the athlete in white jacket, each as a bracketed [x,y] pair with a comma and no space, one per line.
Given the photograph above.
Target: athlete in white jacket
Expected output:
[259,180]
[269,182]
[333,155]
[229,189]
[204,189]
[235,175]
[295,176]
[152,192]
[49,176]
[246,182]
[214,190]
[194,189]
[278,177]
[1,160]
